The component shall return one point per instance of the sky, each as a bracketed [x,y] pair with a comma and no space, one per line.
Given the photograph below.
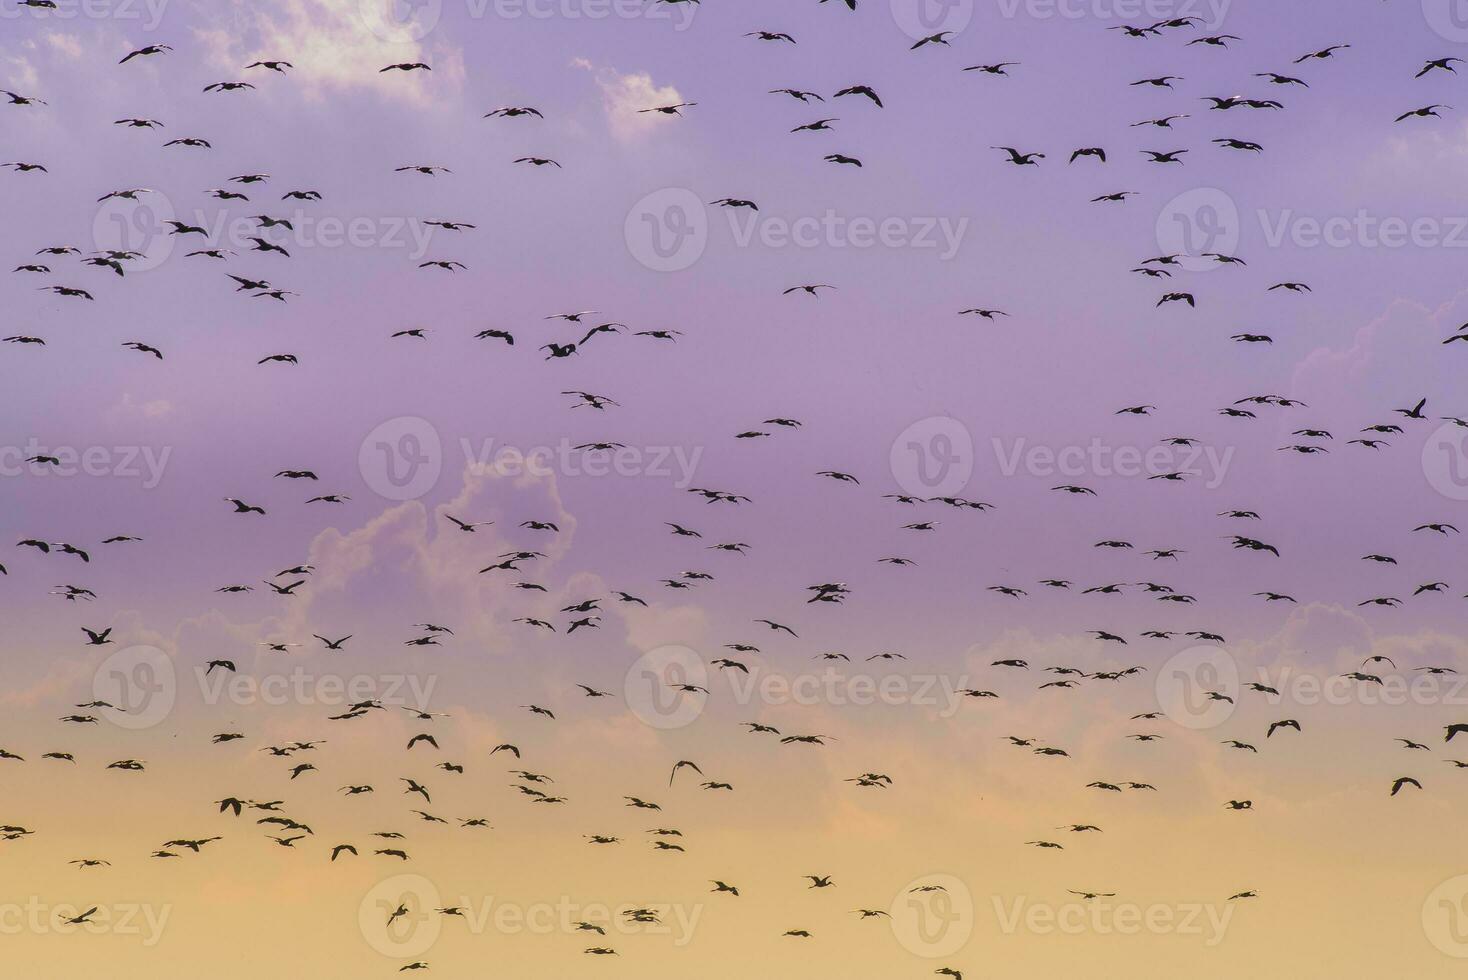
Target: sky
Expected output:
[891,385]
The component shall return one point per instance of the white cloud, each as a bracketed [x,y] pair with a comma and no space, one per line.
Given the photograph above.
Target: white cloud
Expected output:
[20,74]
[129,408]
[333,44]
[64,44]
[624,96]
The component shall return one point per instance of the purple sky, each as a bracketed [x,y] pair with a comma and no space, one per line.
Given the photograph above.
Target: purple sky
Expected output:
[857,366]
[884,351]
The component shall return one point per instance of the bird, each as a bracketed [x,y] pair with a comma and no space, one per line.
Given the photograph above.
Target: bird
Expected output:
[1423,112]
[1440,64]
[939,38]
[1021,159]
[145,52]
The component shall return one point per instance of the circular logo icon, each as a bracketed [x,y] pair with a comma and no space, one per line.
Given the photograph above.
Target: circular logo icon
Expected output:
[140,685]
[933,457]
[402,458]
[1445,917]
[135,226]
[1197,225]
[1198,687]
[933,916]
[660,687]
[1445,460]
[397,916]
[400,21]
[924,18]
[667,230]
[1448,18]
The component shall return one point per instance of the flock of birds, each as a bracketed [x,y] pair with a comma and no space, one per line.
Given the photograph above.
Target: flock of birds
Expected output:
[59,268]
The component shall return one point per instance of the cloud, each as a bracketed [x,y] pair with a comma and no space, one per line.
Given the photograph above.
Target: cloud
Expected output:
[624,96]
[335,45]
[129,408]
[64,44]
[20,73]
